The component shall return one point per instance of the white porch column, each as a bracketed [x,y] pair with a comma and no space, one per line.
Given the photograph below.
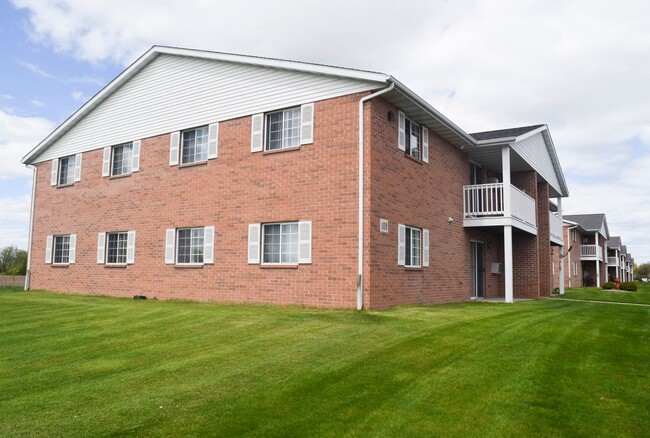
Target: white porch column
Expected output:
[597,263]
[507,262]
[507,229]
[559,214]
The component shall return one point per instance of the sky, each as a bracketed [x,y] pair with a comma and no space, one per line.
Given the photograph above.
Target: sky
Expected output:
[582,67]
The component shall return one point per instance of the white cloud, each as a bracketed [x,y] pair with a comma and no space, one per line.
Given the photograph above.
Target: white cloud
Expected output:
[73,80]
[6,96]
[580,66]
[14,221]
[79,96]
[37,103]
[18,135]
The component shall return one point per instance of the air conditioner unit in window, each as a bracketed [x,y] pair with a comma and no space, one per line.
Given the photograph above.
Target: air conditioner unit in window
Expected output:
[496,268]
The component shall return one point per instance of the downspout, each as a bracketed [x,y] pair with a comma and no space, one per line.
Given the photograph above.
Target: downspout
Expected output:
[31,227]
[361,188]
[568,239]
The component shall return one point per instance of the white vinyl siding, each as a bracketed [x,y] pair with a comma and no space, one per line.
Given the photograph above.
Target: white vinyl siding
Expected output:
[534,151]
[149,103]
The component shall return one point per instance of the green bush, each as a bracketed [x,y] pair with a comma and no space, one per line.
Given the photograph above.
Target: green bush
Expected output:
[609,285]
[629,286]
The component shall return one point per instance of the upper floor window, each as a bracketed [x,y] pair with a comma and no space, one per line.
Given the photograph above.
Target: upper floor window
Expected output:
[122,159]
[195,145]
[283,129]
[66,170]
[574,234]
[413,139]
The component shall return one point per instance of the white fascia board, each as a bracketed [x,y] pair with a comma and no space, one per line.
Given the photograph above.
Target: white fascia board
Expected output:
[277,63]
[431,110]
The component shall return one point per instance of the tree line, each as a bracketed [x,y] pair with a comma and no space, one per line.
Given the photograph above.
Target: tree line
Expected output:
[13,261]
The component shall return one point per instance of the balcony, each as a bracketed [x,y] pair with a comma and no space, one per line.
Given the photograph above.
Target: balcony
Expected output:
[555,227]
[591,252]
[612,261]
[487,205]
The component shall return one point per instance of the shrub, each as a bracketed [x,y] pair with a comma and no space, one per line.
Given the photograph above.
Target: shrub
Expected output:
[609,285]
[628,286]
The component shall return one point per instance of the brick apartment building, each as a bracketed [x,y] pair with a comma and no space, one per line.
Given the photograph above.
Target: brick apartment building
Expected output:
[218,177]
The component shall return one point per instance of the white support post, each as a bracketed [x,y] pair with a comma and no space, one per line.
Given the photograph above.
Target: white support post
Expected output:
[597,262]
[561,250]
[507,262]
[507,192]
[507,229]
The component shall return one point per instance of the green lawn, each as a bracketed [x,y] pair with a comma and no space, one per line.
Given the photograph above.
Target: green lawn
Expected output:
[641,296]
[82,365]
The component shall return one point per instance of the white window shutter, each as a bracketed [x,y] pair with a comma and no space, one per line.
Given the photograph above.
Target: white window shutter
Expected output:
[48,249]
[77,167]
[174,142]
[425,144]
[55,172]
[130,247]
[208,245]
[425,248]
[257,133]
[401,138]
[213,140]
[72,255]
[170,243]
[307,123]
[106,162]
[254,244]
[401,245]
[101,247]
[135,156]
[304,242]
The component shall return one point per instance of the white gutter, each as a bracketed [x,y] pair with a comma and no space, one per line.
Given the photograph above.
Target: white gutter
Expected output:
[360,266]
[31,228]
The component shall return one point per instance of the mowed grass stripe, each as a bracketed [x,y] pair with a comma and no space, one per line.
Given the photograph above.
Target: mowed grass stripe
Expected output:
[123,367]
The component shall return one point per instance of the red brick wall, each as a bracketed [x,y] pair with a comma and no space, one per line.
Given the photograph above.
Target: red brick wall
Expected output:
[524,246]
[543,240]
[317,182]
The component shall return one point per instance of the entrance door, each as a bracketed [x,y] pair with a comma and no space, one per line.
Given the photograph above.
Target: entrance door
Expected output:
[478,270]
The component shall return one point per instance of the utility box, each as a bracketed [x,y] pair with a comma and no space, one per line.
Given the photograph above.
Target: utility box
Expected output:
[496,268]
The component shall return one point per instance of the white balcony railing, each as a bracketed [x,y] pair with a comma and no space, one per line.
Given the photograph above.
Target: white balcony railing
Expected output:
[612,261]
[487,200]
[555,226]
[591,251]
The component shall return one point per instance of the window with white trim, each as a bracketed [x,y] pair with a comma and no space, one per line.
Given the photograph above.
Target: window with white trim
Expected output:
[412,138]
[116,244]
[573,234]
[283,129]
[122,159]
[66,170]
[413,247]
[194,145]
[189,246]
[575,269]
[61,254]
[280,243]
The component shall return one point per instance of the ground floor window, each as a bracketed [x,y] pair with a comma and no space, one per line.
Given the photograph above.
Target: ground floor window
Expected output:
[413,247]
[116,248]
[280,243]
[189,246]
[61,249]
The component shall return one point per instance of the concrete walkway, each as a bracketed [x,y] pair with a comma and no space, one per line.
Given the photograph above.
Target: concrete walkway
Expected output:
[599,302]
